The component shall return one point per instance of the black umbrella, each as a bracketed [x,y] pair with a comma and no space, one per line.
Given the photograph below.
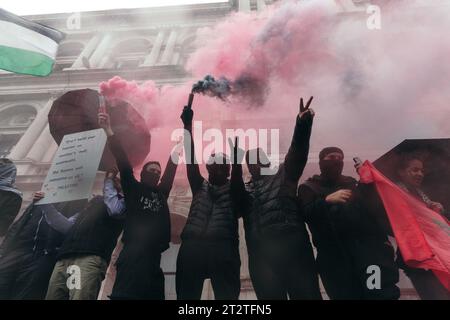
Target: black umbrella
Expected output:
[76,111]
[436,155]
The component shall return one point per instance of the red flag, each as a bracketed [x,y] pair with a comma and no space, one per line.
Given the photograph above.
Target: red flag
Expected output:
[422,234]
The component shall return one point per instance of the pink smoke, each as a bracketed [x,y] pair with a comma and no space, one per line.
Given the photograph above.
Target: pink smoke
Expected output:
[373,88]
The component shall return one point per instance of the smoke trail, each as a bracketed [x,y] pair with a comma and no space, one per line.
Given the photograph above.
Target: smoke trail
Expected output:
[373,88]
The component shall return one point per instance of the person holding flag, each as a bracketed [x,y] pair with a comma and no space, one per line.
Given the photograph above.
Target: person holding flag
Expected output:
[420,226]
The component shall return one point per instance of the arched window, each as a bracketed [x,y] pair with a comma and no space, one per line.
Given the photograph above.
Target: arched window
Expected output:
[68,52]
[69,49]
[14,121]
[185,47]
[17,116]
[131,53]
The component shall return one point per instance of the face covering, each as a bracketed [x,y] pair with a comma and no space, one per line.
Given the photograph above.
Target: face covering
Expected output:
[150,178]
[218,174]
[331,169]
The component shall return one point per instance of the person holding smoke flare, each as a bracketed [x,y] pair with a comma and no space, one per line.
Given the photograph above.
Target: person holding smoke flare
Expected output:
[147,225]
[281,260]
[210,240]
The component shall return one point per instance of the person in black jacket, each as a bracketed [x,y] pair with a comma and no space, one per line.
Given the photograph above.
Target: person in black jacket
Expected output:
[10,197]
[281,260]
[347,238]
[147,223]
[28,252]
[210,240]
[88,245]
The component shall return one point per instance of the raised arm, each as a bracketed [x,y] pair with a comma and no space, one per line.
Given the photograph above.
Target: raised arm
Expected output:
[57,220]
[124,165]
[171,169]
[297,155]
[239,195]
[115,205]
[193,170]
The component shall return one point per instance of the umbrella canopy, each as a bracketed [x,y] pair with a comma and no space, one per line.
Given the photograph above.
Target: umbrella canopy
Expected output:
[436,155]
[76,111]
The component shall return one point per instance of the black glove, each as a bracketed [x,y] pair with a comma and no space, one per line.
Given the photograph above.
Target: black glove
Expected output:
[187,115]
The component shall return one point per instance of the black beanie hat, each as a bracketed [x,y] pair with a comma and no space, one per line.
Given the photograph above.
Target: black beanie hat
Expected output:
[328,150]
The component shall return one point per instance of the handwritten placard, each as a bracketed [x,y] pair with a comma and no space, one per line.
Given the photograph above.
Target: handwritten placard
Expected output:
[72,173]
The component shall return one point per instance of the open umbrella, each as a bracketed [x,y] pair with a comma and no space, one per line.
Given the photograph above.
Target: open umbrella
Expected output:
[436,155]
[76,111]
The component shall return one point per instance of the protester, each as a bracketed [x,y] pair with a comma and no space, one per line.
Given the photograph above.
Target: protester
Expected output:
[89,244]
[28,253]
[147,224]
[210,239]
[410,173]
[348,240]
[281,260]
[10,197]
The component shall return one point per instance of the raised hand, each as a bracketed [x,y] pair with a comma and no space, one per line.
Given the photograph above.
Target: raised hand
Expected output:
[436,206]
[112,173]
[304,111]
[38,195]
[105,123]
[237,153]
[187,115]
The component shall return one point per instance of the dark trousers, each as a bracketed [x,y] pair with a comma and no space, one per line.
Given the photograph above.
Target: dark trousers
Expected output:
[198,261]
[427,284]
[284,267]
[343,268]
[24,275]
[139,276]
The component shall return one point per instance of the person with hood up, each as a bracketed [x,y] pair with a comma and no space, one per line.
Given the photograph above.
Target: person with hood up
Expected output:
[146,232]
[347,237]
[10,197]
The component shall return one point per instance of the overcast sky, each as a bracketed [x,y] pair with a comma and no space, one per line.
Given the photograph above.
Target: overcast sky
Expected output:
[25,7]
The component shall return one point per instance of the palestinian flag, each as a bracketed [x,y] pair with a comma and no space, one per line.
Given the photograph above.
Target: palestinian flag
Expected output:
[27,47]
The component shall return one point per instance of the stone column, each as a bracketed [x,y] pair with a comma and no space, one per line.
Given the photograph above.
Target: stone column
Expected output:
[168,52]
[50,153]
[101,51]
[151,59]
[261,4]
[87,52]
[41,146]
[244,5]
[33,132]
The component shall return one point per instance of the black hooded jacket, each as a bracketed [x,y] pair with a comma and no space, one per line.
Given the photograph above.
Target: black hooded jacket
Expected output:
[268,204]
[147,223]
[331,222]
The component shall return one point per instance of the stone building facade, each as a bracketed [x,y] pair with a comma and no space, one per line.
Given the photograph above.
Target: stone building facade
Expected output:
[139,44]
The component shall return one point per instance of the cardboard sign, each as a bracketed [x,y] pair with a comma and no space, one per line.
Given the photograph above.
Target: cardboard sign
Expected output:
[74,168]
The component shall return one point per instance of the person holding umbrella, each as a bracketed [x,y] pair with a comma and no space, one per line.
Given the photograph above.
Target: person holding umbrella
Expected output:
[147,225]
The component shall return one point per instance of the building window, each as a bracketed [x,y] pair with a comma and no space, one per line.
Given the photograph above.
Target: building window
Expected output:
[14,121]
[68,52]
[131,53]
[17,116]
[7,142]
